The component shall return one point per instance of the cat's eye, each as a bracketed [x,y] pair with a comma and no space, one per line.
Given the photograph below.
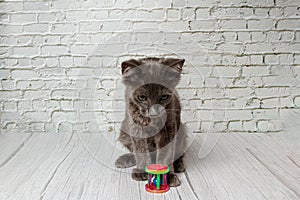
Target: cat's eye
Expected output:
[164,97]
[142,98]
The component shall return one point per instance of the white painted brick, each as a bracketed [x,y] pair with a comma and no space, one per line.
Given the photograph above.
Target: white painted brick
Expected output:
[11,29]
[10,116]
[256,59]
[52,104]
[188,14]
[270,103]
[84,49]
[23,74]
[287,36]
[36,127]
[9,106]
[90,26]
[36,6]
[275,12]
[44,45]
[238,115]
[203,24]
[54,50]
[153,15]
[262,125]
[238,92]
[287,2]
[226,71]
[36,115]
[38,105]
[65,127]
[286,102]
[271,92]
[101,15]
[243,36]
[297,101]
[261,12]
[24,105]
[235,126]
[288,24]
[171,26]
[11,6]
[66,104]
[26,51]
[291,11]
[178,3]
[36,28]
[265,114]
[275,125]
[37,94]
[242,60]
[173,14]
[249,126]
[213,115]
[259,48]
[275,81]
[256,71]
[34,84]
[206,126]
[233,24]
[287,48]
[63,116]
[4,74]
[23,18]
[62,5]
[148,4]
[76,15]
[63,94]
[63,28]
[8,84]
[163,3]
[121,26]
[51,16]
[257,36]
[271,59]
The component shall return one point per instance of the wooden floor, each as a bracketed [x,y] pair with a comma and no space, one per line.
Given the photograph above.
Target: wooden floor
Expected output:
[72,166]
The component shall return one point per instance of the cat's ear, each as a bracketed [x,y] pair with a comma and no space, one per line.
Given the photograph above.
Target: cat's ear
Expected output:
[175,63]
[129,64]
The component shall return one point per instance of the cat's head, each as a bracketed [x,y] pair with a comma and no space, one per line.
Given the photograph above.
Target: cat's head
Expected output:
[151,83]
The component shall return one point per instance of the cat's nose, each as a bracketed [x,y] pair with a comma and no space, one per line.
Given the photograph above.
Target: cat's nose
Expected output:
[155,110]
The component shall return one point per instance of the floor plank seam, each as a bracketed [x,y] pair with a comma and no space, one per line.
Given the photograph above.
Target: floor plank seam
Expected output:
[43,192]
[180,198]
[293,161]
[14,153]
[278,178]
[190,184]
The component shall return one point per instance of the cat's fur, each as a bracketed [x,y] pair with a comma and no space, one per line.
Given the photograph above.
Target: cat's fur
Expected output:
[152,130]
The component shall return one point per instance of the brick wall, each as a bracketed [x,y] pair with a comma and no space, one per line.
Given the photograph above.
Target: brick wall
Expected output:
[60,61]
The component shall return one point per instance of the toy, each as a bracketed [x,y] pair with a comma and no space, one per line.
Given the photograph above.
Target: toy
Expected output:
[157,178]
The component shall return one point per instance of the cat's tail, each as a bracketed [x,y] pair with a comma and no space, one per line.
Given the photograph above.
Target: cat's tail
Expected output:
[125,161]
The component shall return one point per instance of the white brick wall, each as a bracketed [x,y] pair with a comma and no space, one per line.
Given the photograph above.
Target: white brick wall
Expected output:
[60,61]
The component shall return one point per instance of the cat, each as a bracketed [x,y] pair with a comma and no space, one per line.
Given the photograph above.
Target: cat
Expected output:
[152,129]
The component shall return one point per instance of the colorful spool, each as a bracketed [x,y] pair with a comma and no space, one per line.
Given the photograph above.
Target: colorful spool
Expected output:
[157,178]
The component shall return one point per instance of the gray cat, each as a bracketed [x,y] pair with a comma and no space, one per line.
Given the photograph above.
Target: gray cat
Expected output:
[152,130]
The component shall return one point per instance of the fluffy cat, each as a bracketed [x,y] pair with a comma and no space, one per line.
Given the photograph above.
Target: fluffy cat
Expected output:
[152,130]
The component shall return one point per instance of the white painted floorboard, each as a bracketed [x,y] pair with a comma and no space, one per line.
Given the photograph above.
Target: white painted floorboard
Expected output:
[71,166]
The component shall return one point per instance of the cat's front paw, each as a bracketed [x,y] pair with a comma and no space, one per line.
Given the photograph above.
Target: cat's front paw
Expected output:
[139,174]
[179,166]
[173,180]
[126,160]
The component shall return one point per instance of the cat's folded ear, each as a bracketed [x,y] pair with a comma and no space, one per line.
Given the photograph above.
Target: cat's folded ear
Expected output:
[129,64]
[175,63]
